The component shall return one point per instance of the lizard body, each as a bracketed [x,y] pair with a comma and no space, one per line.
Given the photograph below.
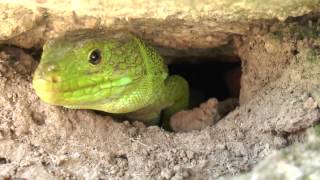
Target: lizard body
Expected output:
[116,73]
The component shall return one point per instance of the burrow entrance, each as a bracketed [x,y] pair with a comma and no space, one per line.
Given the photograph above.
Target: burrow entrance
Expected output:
[209,78]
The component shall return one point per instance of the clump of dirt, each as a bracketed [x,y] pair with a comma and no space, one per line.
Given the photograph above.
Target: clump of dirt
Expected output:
[45,142]
[198,118]
[207,114]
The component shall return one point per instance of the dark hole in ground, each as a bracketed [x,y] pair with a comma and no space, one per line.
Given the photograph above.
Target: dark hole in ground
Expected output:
[210,79]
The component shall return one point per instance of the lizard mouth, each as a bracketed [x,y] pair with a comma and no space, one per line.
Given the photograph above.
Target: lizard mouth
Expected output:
[53,90]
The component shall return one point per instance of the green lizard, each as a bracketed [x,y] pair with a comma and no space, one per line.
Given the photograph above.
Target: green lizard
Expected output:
[115,72]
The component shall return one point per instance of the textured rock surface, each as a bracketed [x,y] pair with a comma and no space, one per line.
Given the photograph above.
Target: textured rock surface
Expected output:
[266,51]
[182,24]
[301,161]
[265,56]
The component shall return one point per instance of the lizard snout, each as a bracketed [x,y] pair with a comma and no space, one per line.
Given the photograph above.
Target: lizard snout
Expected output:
[48,72]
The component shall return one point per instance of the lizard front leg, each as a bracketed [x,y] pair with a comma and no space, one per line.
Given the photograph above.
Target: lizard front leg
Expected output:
[170,98]
[177,92]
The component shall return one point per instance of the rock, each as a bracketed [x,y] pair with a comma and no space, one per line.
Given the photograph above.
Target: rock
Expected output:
[301,161]
[182,25]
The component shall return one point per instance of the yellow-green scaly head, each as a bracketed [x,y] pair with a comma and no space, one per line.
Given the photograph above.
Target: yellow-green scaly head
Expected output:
[85,70]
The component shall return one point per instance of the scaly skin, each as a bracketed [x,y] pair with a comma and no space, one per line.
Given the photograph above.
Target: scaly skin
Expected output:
[130,79]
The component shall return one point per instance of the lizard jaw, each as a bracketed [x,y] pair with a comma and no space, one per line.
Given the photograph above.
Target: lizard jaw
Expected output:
[48,90]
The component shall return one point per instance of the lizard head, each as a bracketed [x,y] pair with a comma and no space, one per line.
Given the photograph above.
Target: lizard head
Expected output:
[83,70]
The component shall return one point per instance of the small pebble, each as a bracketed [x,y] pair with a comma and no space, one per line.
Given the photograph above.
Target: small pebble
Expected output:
[190,154]
[310,103]
[167,173]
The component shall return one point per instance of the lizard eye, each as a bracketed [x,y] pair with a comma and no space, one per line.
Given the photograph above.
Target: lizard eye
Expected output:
[95,57]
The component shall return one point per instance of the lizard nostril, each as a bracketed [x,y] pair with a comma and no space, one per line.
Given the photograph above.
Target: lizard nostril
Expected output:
[54,78]
[50,73]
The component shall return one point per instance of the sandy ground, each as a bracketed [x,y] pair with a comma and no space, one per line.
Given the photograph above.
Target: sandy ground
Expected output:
[40,141]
